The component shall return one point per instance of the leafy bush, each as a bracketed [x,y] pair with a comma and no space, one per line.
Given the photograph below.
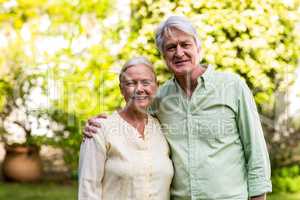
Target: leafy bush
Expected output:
[286,179]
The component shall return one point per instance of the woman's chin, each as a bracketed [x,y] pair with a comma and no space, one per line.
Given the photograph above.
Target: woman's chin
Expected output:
[141,106]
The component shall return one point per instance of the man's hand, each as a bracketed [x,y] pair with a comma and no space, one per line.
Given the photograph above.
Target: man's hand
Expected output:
[260,197]
[92,125]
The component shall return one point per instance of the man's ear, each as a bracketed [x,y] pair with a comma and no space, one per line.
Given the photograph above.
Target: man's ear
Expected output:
[199,50]
[200,54]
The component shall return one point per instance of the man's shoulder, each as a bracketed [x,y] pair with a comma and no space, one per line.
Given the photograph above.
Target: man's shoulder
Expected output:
[226,76]
[230,80]
[166,88]
[227,81]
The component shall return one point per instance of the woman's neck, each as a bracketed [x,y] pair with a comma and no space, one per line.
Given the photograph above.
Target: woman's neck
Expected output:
[135,118]
[133,114]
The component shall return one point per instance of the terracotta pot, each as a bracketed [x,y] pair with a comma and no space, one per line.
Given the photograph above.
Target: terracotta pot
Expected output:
[22,163]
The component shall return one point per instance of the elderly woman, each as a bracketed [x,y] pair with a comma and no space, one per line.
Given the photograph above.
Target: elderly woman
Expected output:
[128,158]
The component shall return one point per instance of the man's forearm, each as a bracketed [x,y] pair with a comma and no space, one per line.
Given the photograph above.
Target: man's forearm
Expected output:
[260,197]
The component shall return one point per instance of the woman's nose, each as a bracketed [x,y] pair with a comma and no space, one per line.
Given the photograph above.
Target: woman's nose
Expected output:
[139,86]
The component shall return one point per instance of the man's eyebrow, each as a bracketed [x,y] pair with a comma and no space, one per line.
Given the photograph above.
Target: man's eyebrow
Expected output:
[127,80]
[185,41]
[175,43]
[170,44]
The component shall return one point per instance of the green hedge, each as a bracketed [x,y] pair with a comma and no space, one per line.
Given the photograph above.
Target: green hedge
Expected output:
[286,179]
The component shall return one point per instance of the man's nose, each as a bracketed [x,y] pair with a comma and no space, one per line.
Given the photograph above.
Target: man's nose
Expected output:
[179,51]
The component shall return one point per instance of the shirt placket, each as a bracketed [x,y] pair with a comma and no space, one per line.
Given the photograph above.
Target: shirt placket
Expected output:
[194,152]
[191,149]
[149,168]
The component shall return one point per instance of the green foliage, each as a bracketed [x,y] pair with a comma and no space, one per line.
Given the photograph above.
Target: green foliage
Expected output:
[68,137]
[15,89]
[79,75]
[5,92]
[284,196]
[286,179]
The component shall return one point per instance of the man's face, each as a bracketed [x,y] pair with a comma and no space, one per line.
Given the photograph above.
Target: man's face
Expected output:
[138,86]
[180,52]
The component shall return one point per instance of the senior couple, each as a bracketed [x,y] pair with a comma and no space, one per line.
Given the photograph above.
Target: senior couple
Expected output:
[198,137]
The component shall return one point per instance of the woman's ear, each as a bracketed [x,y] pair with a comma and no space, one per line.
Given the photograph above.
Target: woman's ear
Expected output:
[120,86]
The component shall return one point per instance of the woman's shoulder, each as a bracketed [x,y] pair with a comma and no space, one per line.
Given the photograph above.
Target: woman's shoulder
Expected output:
[108,123]
[154,121]
[110,119]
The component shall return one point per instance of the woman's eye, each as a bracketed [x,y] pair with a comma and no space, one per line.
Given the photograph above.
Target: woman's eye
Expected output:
[146,82]
[130,83]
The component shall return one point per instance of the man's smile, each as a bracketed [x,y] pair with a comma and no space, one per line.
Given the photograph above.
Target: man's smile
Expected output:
[181,62]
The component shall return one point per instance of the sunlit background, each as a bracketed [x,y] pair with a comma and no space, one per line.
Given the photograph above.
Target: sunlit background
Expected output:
[59,62]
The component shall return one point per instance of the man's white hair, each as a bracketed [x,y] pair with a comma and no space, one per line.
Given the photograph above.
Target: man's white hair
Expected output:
[178,22]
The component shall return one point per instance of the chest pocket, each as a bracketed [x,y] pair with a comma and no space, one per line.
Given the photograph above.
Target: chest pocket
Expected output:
[172,115]
[215,122]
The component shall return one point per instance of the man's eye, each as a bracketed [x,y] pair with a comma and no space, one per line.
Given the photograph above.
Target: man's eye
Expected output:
[185,45]
[171,48]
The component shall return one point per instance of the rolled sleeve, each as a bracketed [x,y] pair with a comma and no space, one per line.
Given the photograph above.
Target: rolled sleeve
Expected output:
[91,168]
[255,149]
[259,187]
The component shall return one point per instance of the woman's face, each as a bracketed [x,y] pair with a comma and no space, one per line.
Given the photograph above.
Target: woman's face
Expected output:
[138,86]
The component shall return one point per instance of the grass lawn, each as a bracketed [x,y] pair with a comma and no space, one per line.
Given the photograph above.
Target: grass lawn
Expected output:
[42,191]
[52,191]
[295,196]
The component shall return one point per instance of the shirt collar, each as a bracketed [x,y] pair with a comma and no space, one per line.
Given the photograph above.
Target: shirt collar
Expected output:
[205,78]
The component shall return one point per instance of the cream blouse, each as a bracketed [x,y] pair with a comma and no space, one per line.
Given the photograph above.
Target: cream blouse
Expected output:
[116,164]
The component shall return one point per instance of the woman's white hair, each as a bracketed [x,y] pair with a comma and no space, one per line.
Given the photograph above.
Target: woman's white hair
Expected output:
[139,60]
[178,22]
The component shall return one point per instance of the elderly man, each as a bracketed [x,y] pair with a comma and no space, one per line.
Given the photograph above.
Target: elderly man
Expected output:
[210,122]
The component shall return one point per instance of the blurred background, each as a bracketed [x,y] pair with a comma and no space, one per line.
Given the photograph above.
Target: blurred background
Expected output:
[59,62]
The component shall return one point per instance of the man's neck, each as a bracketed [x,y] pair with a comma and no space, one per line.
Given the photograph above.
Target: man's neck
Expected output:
[189,82]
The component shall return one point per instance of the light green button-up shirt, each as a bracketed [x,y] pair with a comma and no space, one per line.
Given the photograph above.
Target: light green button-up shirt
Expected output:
[216,139]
